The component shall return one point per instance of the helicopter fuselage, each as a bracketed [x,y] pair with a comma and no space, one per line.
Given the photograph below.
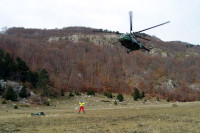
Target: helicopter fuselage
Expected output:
[130,42]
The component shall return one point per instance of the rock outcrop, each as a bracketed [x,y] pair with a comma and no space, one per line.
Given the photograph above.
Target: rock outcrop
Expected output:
[96,39]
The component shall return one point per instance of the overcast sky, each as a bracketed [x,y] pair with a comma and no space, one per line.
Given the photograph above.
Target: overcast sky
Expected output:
[107,14]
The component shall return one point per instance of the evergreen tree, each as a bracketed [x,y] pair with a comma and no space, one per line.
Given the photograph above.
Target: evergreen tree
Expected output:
[43,80]
[22,69]
[11,94]
[120,97]
[1,89]
[1,62]
[90,92]
[1,53]
[71,94]
[143,95]
[136,95]
[62,92]
[23,92]
[32,77]
[8,66]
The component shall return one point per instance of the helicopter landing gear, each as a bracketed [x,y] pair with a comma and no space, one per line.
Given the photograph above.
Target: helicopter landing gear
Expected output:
[144,48]
[129,51]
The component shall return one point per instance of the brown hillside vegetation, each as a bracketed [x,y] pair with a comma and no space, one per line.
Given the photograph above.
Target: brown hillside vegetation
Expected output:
[82,65]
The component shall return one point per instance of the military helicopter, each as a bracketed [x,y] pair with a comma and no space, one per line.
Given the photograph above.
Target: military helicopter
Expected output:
[130,41]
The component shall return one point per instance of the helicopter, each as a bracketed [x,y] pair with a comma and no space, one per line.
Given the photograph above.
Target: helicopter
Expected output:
[129,40]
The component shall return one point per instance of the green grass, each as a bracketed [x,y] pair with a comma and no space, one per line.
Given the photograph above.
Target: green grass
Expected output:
[128,116]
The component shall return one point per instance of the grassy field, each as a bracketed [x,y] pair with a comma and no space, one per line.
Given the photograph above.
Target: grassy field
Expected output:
[101,116]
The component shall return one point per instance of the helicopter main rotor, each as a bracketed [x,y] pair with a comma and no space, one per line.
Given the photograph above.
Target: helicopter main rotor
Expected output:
[130,14]
[136,33]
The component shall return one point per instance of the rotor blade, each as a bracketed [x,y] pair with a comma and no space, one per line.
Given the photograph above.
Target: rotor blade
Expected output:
[153,27]
[130,14]
[143,38]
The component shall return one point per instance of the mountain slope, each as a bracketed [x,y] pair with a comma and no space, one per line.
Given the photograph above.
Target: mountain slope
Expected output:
[171,70]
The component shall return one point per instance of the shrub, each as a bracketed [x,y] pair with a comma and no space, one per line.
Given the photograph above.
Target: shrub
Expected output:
[105,93]
[15,107]
[47,104]
[90,92]
[158,99]
[145,100]
[174,105]
[23,92]
[71,94]
[115,102]
[108,95]
[3,102]
[168,100]
[77,93]
[62,92]
[11,94]
[120,97]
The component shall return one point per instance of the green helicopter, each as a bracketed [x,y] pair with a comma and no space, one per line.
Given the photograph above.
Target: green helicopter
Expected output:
[130,41]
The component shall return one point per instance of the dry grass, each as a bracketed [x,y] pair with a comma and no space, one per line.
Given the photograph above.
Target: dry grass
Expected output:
[101,116]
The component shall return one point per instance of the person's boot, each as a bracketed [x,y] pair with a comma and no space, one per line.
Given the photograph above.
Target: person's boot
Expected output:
[78,112]
[84,112]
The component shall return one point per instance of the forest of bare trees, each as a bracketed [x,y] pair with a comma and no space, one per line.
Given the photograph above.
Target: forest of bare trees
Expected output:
[83,65]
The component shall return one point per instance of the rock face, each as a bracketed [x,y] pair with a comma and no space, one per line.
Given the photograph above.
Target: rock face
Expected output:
[16,86]
[169,84]
[160,52]
[194,86]
[2,83]
[96,39]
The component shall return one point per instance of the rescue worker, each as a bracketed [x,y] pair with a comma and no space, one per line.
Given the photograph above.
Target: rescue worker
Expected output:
[81,106]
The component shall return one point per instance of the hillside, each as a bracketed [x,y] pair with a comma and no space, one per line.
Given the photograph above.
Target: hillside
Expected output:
[80,58]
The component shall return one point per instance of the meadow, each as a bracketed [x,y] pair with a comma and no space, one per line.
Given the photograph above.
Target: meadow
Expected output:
[102,115]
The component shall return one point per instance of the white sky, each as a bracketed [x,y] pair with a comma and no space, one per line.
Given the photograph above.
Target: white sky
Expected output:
[107,14]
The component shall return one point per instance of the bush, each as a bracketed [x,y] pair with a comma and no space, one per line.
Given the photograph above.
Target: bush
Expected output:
[11,94]
[145,100]
[109,95]
[47,104]
[174,105]
[15,107]
[158,99]
[90,92]
[71,94]
[3,102]
[120,97]
[62,92]
[77,93]
[105,93]
[23,92]
[168,100]
[115,102]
